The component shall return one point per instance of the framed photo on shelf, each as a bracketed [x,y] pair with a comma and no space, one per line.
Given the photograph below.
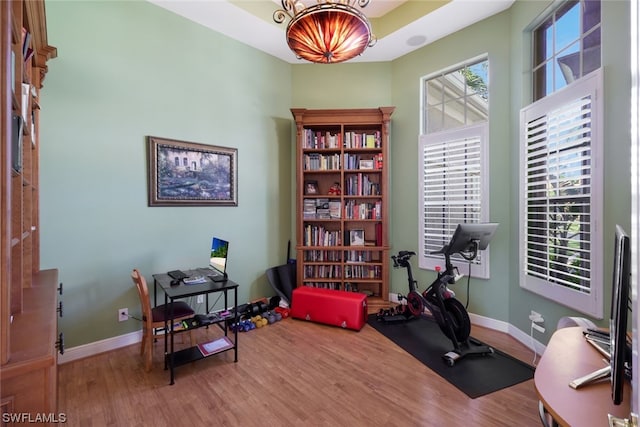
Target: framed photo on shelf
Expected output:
[311,187]
[366,164]
[191,174]
[356,237]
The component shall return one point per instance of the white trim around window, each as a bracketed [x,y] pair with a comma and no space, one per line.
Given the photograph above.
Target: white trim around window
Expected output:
[453,189]
[561,202]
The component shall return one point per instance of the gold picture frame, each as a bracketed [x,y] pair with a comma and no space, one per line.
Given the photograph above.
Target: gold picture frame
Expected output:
[191,174]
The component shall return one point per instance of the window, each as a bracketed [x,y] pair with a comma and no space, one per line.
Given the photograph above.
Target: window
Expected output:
[453,185]
[561,203]
[453,150]
[455,98]
[566,46]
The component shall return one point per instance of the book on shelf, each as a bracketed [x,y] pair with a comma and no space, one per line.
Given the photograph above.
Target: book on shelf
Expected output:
[371,141]
[26,89]
[377,159]
[13,72]
[26,42]
[215,346]
[16,142]
[309,209]
[335,209]
[322,209]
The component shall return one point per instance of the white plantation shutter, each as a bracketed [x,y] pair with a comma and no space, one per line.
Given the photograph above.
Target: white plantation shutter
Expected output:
[453,176]
[561,203]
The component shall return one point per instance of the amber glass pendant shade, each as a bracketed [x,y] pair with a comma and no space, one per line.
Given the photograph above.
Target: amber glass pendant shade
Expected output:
[327,32]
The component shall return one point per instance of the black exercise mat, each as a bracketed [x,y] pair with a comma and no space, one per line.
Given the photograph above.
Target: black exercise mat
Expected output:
[474,375]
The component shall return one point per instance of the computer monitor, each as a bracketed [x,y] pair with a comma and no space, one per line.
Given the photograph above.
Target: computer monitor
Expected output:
[218,258]
[471,237]
[621,291]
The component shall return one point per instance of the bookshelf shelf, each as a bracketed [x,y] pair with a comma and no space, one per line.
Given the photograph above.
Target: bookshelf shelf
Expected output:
[342,228]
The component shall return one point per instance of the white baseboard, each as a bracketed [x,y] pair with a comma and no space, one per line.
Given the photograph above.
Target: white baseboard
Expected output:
[91,349]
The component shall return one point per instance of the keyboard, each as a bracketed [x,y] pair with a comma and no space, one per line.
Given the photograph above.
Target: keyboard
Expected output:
[194,280]
[177,274]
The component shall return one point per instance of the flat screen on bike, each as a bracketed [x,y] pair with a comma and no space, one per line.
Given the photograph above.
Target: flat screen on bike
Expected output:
[467,233]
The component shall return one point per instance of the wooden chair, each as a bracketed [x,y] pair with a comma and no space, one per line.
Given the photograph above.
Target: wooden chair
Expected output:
[154,318]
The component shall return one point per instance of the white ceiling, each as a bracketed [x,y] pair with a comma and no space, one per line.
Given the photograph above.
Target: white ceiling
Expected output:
[235,22]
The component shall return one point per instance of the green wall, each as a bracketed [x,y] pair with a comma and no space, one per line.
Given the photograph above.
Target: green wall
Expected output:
[617,151]
[130,69]
[486,297]
[126,70]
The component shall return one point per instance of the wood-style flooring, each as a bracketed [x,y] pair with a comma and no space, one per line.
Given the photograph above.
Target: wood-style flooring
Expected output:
[290,373]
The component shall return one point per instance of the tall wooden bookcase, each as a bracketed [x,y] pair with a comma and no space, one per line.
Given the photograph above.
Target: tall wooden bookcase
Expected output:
[342,200]
[28,296]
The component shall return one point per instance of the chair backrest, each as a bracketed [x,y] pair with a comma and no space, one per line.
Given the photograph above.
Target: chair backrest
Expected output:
[143,293]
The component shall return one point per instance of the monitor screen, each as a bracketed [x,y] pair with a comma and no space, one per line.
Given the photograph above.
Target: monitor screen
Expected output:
[219,251]
[619,313]
[467,233]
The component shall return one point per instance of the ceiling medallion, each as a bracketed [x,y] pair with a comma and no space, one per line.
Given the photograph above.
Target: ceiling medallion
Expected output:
[330,31]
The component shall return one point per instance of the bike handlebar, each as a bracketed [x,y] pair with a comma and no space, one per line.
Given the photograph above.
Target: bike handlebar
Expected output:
[402,259]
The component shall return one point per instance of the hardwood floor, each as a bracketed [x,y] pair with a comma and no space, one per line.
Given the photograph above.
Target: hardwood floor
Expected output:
[291,373]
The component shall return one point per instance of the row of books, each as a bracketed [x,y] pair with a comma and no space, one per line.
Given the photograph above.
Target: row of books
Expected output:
[332,209]
[361,184]
[321,209]
[325,285]
[321,139]
[362,140]
[318,139]
[322,271]
[318,235]
[335,272]
[363,272]
[316,161]
[346,286]
[357,161]
[322,256]
[362,256]
[358,210]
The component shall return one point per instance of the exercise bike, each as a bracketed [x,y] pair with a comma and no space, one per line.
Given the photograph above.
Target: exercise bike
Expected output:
[449,313]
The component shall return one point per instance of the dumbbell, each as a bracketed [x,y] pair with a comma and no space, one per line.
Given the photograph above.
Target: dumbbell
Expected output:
[284,312]
[259,321]
[276,316]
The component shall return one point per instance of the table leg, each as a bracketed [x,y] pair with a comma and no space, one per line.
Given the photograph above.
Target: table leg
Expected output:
[235,330]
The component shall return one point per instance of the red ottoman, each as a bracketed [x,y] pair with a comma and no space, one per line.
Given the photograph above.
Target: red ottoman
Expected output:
[337,308]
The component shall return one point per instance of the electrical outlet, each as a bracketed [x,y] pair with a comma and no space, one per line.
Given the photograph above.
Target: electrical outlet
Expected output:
[393,297]
[200,299]
[123,314]
[536,317]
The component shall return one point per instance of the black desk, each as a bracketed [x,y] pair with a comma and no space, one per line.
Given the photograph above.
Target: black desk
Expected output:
[172,293]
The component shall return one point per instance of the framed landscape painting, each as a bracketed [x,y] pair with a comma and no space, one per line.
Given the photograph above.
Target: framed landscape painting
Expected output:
[191,174]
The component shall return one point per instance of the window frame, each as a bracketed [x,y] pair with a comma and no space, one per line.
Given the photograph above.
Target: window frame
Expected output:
[590,303]
[479,268]
[550,18]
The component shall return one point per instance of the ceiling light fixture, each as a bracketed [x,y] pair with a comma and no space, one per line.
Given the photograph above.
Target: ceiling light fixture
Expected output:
[330,31]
